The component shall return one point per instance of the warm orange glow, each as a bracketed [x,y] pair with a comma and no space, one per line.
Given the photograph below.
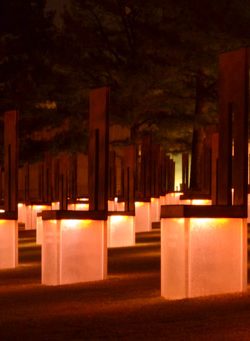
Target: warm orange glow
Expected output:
[139,204]
[178,220]
[203,256]
[118,218]
[72,253]
[8,245]
[20,205]
[115,199]
[121,231]
[83,199]
[208,223]
[39,208]
[201,202]
[2,211]
[83,207]
[176,195]
[143,216]
[75,223]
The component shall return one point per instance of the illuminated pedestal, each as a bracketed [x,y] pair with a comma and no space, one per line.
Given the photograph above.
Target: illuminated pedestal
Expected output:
[55,205]
[79,206]
[155,209]
[173,198]
[121,229]
[115,205]
[142,217]
[39,228]
[202,256]
[31,215]
[74,247]
[8,243]
[111,205]
[193,198]
[162,200]
[120,205]
[22,215]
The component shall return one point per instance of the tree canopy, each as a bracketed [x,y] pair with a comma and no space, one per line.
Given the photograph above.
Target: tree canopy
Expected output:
[159,58]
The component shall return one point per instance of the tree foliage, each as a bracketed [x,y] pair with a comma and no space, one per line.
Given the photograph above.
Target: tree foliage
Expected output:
[159,58]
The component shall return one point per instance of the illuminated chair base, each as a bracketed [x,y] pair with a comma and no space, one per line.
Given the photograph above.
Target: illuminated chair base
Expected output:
[121,229]
[8,243]
[30,215]
[114,206]
[55,205]
[142,217]
[74,247]
[39,229]
[162,200]
[193,198]
[173,198]
[201,254]
[79,206]
[155,209]
[22,215]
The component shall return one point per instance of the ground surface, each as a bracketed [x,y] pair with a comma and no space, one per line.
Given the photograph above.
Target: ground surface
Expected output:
[126,306]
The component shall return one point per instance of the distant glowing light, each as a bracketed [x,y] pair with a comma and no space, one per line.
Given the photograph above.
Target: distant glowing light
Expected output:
[83,207]
[83,199]
[47,105]
[201,202]
[39,208]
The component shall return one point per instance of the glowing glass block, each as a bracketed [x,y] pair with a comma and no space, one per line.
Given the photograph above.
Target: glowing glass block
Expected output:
[81,206]
[162,200]
[111,205]
[203,256]
[71,207]
[22,214]
[74,251]
[31,215]
[9,244]
[155,209]
[55,205]
[121,231]
[120,205]
[201,202]
[173,198]
[39,230]
[142,217]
